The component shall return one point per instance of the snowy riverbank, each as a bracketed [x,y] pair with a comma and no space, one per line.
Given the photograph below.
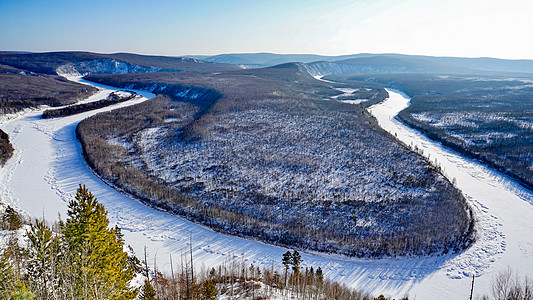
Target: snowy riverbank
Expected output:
[47,167]
[503,209]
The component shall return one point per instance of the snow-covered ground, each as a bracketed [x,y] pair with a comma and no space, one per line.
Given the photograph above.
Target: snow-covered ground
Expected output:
[47,167]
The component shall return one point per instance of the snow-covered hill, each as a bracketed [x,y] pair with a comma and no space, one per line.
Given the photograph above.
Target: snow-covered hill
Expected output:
[102,66]
[332,68]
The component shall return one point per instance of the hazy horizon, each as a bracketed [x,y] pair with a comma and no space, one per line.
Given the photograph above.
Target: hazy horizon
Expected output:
[488,28]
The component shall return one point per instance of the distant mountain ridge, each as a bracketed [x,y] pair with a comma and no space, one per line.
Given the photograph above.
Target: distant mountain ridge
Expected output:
[366,63]
[264,59]
[85,63]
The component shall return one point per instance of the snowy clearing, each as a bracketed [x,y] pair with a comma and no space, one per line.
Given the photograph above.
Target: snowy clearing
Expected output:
[47,167]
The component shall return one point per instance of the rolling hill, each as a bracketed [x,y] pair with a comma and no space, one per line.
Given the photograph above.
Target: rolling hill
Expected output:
[380,63]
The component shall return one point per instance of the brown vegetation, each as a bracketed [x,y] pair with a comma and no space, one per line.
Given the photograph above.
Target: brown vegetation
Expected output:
[236,280]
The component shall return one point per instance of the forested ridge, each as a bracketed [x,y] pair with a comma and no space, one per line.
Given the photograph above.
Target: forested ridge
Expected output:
[22,91]
[488,118]
[113,98]
[268,154]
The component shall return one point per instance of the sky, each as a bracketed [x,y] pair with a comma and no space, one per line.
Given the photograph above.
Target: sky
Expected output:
[473,28]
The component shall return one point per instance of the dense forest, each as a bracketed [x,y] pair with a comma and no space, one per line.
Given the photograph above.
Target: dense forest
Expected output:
[269,154]
[18,92]
[486,118]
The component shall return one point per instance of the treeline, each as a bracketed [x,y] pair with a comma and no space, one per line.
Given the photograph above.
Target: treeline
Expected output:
[235,279]
[502,159]
[87,62]
[6,149]
[113,98]
[82,258]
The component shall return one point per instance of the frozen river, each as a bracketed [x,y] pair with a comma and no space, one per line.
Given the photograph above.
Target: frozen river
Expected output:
[503,209]
[47,167]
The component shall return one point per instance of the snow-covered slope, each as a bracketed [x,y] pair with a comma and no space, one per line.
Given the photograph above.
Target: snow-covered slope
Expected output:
[47,167]
[102,66]
[323,68]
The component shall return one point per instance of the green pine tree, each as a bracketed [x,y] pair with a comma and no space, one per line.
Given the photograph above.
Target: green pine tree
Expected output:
[11,220]
[42,255]
[286,260]
[296,260]
[98,258]
[7,282]
[209,291]
[148,291]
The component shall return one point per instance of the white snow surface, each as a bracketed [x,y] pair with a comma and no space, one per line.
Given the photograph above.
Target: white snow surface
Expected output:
[47,167]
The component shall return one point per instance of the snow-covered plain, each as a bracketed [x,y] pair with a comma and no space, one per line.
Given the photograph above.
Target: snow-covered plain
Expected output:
[47,167]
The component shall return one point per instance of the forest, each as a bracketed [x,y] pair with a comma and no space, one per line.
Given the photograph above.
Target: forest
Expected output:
[113,98]
[270,155]
[18,92]
[486,118]
[23,89]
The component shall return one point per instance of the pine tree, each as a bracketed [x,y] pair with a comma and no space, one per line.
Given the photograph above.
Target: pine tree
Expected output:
[209,291]
[287,261]
[148,291]
[98,257]
[11,220]
[6,276]
[296,260]
[21,292]
[42,253]
[319,275]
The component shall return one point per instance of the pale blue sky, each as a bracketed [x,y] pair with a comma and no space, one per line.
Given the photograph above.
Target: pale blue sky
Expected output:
[471,28]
